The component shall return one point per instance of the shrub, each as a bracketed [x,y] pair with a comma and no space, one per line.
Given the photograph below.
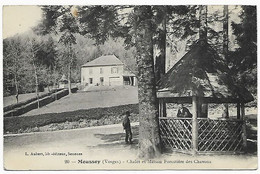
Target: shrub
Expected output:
[30,104]
[16,105]
[14,124]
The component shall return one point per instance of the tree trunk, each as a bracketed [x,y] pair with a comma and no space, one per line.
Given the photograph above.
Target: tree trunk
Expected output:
[149,140]
[15,78]
[36,84]
[203,37]
[160,60]
[225,45]
[55,82]
[16,88]
[69,81]
[203,23]
[48,81]
[160,66]
[225,32]
[69,70]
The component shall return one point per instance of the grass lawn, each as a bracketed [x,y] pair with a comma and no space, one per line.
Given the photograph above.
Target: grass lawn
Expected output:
[78,109]
[86,100]
[22,97]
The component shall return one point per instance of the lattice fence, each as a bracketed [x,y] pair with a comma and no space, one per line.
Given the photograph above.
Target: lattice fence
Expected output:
[213,135]
[220,135]
[176,133]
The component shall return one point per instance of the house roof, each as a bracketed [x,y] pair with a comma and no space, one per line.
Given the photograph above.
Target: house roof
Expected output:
[128,72]
[63,78]
[201,72]
[104,61]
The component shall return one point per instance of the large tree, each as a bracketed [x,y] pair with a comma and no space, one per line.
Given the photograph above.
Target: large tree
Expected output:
[244,58]
[149,139]
[18,65]
[13,64]
[61,20]
[163,17]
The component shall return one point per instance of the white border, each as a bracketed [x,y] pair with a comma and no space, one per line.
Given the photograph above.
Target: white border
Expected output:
[117,2]
[134,2]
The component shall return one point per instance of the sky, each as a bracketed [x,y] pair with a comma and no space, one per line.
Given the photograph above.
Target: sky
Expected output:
[19,19]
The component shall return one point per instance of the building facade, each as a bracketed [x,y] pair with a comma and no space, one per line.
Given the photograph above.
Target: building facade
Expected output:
[106,71]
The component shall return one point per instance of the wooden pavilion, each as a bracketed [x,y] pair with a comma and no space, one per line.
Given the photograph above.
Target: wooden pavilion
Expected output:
[201,77]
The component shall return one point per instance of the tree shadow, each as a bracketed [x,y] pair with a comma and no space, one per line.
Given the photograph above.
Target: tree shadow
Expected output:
[118,139]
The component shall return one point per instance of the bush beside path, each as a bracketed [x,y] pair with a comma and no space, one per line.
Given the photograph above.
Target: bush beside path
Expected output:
[69,120]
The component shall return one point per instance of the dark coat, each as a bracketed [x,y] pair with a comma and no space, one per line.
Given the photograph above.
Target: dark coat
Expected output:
[184,114]
[126,123]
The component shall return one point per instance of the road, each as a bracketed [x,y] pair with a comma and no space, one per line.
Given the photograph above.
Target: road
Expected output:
[104,144]
[94,143]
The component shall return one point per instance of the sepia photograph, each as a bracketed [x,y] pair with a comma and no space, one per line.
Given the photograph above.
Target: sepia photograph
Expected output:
[129,87]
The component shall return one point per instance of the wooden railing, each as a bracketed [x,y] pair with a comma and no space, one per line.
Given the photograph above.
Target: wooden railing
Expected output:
[176,133]
[214,135]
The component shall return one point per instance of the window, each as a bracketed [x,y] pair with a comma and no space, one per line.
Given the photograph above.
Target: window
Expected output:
[101,80]
[114,70]
[101,70]
[90,80]
[90,71]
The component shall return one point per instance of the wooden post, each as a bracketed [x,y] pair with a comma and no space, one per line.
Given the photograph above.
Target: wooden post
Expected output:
[130,81]
[243,127]
[238,110]
[194,125]
[226,110]
[204,110]
[161,108]
[242,111]
[164,109]
[199,107]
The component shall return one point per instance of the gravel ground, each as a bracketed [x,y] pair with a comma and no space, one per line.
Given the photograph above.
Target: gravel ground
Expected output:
[106,145]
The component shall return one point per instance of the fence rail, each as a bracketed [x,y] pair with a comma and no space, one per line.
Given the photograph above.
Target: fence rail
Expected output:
[220,135]
[214,135]
[176,133]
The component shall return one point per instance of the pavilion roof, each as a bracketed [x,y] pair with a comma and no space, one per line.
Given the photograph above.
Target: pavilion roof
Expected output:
[202,72]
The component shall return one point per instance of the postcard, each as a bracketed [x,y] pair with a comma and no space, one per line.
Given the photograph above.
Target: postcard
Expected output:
[129,87]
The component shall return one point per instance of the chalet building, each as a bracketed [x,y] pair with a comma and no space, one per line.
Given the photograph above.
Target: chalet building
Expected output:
[106,71]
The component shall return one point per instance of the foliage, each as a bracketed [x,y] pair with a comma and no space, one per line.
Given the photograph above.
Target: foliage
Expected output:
[99,22]
[244,58]
[19,53]
[13,69]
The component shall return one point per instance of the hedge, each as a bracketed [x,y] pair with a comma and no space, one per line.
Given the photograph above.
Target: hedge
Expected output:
[44,100]
[16,105]
[14,124]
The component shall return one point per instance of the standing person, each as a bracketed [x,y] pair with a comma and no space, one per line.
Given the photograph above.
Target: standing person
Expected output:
[183,112]
[127,128]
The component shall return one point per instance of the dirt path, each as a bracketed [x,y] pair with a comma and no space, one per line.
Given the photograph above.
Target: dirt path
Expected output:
[103,144]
